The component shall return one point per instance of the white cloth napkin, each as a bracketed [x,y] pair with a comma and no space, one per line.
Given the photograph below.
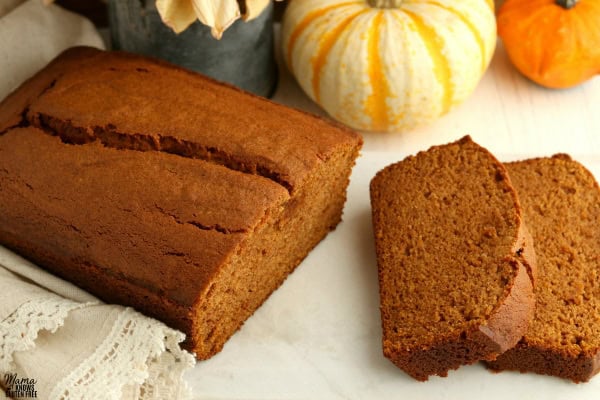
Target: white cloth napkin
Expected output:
[76,347]
[57,341]
[32,34]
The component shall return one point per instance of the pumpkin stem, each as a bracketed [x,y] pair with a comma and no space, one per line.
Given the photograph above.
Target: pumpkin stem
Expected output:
[567,3]
[385,3]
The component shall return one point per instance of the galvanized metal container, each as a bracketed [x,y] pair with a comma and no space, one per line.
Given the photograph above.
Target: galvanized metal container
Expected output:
[244,56]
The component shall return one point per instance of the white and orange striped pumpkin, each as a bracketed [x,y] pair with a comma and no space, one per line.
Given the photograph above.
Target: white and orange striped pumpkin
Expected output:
[388,65]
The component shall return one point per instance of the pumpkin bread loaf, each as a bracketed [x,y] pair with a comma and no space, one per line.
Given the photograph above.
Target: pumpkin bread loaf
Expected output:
[561,201]
[157,188]
[455,267]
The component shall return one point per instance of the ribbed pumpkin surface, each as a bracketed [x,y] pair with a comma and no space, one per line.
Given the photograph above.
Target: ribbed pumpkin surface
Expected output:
[388,69]
[553,46]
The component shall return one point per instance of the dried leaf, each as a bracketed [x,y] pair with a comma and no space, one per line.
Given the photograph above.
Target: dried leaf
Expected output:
[176,14]
[217,14]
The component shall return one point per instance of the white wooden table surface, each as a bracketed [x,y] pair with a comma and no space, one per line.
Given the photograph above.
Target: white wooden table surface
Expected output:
[318,336]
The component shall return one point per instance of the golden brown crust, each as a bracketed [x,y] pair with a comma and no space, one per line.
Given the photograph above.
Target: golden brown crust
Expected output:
[509,322]
[13,107]
[253,133]
[166,205]
[526,249]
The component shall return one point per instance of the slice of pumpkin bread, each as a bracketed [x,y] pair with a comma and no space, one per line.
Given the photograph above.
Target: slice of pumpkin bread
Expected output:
[561,200]
[455,269]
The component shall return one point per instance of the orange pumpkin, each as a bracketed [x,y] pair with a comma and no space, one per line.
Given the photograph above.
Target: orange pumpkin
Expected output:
[555,43]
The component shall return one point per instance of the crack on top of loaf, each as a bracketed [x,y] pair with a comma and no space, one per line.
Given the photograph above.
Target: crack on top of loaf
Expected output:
[110,137]
[50,86]
[23,122]
[23,117]
[216,227]
[199,225]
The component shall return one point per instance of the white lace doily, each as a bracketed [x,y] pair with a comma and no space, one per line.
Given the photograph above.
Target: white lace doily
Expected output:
[97,351]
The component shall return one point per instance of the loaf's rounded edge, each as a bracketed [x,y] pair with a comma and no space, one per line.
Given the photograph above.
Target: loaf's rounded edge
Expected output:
[503,330]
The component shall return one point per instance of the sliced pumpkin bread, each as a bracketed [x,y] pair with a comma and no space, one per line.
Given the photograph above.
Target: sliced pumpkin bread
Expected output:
[454,265]
[561,200]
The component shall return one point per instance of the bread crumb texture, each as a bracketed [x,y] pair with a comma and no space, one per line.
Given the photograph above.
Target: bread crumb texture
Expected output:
[447,228]
[561,201]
